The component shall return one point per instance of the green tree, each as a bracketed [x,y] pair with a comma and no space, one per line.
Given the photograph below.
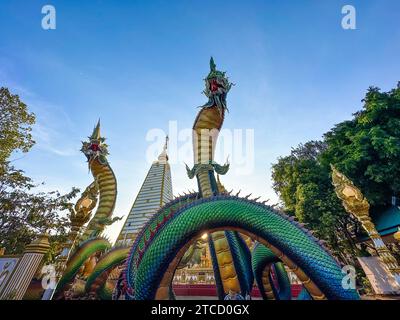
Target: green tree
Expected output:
[305,189]
[24,211]
[367,148]
[15,125]
[24,214]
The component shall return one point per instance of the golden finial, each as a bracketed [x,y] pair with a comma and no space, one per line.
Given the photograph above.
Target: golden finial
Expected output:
[163,157]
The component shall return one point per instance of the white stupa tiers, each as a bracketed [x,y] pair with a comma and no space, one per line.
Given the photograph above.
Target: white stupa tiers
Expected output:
[155,192]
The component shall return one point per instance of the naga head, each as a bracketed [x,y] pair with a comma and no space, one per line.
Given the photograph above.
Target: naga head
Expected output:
[95,148]
[217,88]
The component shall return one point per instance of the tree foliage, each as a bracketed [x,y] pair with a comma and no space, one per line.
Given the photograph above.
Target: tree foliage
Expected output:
[305,189]
[365,148]
[15,125]
[24,211]
[25,214]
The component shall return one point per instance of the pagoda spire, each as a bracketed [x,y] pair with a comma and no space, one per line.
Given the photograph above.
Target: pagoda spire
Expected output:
[155,192]
[163,155]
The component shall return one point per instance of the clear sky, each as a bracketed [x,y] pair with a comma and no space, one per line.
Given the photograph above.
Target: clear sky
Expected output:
[139,64]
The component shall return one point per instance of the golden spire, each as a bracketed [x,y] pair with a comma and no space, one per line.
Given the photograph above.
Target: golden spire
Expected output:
[163,155]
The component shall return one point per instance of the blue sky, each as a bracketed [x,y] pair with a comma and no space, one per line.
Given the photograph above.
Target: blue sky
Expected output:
[139,64]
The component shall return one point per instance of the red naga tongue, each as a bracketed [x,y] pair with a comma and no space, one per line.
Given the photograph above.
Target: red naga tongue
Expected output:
[214,85]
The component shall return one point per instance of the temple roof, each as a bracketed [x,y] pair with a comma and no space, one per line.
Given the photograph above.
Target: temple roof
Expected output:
[387,220]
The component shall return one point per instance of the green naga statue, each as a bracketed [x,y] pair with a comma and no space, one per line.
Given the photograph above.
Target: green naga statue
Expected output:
[96,151]
[283,242]
[92,260]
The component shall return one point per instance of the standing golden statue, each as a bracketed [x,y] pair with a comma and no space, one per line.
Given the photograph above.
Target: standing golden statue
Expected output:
[83,210]
[357,205]
[79,215]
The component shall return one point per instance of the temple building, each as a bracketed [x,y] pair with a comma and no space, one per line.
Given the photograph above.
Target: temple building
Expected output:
[155,192]
[196,272]
[387,223]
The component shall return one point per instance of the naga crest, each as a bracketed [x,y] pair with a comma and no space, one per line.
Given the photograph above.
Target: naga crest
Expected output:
[217,88]
[95,148]
[352,198]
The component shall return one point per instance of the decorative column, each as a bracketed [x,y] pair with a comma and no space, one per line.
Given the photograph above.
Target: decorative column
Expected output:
[26,268]
[357,205]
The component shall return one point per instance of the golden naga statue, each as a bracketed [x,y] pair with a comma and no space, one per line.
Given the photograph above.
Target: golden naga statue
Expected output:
[352,199]
[356,204]
[83,209]
[79,215]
